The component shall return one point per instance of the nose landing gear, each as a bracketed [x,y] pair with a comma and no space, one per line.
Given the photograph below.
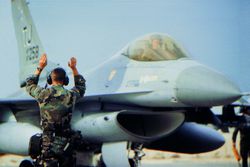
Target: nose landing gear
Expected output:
[138,155]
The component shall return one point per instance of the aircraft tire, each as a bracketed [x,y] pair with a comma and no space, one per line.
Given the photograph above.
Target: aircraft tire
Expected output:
[26,163]
[131,162]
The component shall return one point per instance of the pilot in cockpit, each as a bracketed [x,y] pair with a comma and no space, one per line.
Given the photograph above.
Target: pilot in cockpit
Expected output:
[154,47]
[157,50]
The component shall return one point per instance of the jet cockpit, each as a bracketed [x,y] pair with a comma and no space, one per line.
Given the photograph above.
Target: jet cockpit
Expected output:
[154,47]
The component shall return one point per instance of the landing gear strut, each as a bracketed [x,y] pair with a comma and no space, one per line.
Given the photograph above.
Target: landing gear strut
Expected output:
[138,154]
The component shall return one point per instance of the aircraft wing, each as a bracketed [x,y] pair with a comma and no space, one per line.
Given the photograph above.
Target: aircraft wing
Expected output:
[23,110]
[131,123]
[27,110]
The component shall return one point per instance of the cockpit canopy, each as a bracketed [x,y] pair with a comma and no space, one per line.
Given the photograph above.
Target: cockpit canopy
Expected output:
[154,47]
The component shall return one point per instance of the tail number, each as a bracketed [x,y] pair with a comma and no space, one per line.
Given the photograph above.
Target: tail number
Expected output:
[32,53]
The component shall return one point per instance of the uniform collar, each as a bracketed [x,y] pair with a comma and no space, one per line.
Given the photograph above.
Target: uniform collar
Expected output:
[57,86]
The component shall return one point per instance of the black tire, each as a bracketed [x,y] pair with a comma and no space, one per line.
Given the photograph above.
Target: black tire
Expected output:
[131,162]
[26,163]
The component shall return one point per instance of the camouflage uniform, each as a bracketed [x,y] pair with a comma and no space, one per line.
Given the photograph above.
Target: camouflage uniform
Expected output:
[56,105]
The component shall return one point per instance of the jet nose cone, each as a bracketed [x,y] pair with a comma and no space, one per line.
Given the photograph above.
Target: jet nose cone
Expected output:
[200,86]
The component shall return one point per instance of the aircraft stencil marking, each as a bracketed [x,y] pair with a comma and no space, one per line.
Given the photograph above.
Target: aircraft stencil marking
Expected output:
[112,74]
[133,83]
[27,35]
[148,78]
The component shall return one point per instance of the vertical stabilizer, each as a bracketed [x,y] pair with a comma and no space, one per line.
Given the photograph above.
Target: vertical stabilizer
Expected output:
[29,45]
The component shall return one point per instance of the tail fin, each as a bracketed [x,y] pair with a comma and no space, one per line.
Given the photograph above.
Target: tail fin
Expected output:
[28,41]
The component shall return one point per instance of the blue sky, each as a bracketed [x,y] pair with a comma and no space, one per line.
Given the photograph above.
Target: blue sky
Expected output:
[215,32]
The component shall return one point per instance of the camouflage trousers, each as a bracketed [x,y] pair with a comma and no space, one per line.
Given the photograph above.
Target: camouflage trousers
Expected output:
[56,151]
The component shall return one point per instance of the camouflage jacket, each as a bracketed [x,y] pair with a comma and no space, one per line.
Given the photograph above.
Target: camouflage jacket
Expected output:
[56,103]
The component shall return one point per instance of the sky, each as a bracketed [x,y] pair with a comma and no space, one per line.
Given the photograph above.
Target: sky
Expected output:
[214,32]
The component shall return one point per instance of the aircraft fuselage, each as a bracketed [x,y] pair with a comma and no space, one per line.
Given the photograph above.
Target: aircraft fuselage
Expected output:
[174,83]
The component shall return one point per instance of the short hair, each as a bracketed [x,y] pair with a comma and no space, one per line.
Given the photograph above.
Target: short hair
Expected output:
[58,74]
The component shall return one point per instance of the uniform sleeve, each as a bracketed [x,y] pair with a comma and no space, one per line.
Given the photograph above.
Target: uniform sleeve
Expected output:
[80,86]
[236,130]
[32,88]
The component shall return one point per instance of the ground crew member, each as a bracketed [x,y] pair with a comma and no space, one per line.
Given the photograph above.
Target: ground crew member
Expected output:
[56,104]
[244,129]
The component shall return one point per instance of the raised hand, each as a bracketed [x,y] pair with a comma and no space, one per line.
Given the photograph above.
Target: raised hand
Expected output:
[72,63]
[43,61]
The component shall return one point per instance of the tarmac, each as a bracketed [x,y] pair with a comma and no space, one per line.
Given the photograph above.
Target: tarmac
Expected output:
[13,161]
[191,163]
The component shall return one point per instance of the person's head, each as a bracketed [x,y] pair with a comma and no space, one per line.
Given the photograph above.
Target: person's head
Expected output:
[58,76]
[156,41]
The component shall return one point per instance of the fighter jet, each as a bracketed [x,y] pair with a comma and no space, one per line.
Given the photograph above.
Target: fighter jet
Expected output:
[150,94]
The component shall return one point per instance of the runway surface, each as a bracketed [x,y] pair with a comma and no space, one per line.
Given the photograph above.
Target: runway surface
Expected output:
[178,165]
[191,163]
[13,161]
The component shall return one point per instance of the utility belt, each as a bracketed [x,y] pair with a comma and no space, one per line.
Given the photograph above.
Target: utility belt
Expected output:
[60,147]
[60,139]
[56,129]
[60,144]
